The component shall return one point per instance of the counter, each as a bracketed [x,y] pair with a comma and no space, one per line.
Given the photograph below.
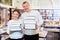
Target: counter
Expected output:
[42,33]
[53,32]
[2,31]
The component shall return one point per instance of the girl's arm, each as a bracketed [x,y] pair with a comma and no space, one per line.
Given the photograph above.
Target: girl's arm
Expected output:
[8,28]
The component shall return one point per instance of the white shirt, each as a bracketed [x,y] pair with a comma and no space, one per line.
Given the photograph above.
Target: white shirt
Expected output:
[38,19]
[14,25]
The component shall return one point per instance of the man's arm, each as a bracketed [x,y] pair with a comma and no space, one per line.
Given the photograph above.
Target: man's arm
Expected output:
[39,20]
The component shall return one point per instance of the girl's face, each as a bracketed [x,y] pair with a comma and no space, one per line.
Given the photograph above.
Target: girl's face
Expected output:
[15,15]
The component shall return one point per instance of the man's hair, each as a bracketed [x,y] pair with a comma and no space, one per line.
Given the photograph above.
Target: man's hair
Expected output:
[25,2]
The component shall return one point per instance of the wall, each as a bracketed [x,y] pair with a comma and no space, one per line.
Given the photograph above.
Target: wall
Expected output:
[38,4]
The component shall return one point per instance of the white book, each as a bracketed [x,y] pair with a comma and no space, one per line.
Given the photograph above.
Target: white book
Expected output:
[29,21]
[29,18]
[29,26]
[15,29]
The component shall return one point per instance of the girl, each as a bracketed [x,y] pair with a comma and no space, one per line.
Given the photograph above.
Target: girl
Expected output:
[15,26]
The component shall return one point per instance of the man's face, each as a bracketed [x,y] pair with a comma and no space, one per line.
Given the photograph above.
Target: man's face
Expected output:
[26,6]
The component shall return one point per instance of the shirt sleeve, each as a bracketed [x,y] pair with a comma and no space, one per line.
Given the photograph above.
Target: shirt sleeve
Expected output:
[39,19]
[21,20]
[22,23]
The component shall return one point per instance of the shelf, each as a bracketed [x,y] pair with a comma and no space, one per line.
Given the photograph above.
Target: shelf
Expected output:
[43,33]
[52,29]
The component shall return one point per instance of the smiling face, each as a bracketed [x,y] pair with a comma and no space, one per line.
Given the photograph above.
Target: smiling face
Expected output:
[26,6]
[15,15]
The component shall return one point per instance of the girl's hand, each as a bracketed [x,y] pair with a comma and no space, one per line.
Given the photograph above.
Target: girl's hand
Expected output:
[11,32]
[21,31]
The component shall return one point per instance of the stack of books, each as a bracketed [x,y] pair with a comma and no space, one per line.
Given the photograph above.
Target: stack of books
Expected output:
[15,28]
[29,22]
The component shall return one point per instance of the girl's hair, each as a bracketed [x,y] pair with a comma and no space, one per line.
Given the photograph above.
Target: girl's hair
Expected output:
[17,10]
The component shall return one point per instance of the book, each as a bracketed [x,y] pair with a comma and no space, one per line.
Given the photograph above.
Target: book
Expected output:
[30,21]
[29,26]
[15,28]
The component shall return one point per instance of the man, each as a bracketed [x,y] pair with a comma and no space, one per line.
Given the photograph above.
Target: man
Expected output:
[31,34]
